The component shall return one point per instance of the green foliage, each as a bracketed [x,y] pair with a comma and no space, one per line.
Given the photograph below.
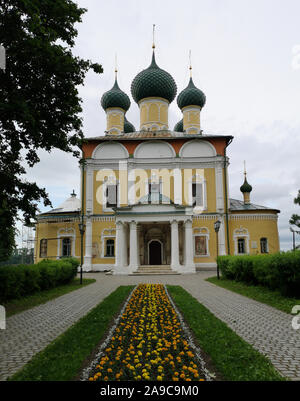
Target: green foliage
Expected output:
[40,106]
[276,271]
[18,281]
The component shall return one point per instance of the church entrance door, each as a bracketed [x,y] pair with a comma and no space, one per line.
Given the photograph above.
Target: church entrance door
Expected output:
[155,252]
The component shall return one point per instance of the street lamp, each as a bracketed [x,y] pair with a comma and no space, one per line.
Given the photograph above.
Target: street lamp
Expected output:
[217,225]
[82,231]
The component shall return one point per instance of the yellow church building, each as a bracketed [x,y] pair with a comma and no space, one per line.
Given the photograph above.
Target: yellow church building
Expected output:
[150,197]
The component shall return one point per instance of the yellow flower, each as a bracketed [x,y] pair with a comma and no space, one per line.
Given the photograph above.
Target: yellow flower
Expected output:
[159,378]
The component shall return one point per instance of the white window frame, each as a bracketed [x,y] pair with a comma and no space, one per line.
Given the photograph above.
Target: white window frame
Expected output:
[201,232]
[106,183]
[241,233]
[267,245]
[107,233]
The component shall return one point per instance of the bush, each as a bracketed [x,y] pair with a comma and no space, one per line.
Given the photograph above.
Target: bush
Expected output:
[276,271]
[18,281]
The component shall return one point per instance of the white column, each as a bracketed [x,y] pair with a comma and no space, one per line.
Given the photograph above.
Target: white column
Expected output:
[189,266]
[87,266]
[174,246]
[120,245]
[133,249]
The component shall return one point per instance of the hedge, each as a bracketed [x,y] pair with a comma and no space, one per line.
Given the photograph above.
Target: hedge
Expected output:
[22,280]
[280,271]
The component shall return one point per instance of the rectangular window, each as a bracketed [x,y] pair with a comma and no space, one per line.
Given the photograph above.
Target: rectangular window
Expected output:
[110,248]
[66,247]
[111,195]
[154,189]
[43,248]
[200,245]
[264,245]
[197,194]
[241,246]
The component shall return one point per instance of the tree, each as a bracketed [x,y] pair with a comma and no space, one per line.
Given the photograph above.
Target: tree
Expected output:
[39,102]
[295,218]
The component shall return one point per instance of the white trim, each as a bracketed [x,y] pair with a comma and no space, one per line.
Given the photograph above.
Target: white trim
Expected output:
[197,232]
[103,144]
[158,141]
[198,141]
[68,233]
[104,236]
[240,233]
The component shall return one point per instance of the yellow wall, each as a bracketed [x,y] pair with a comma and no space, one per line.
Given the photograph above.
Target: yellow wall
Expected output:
[153,111]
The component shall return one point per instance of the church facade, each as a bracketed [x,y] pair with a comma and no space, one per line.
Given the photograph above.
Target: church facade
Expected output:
[150,197]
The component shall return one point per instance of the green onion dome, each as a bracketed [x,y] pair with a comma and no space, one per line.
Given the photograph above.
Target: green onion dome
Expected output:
[191,96]
[246,187]
[179,126]
[153,82]
[128,127]
[115,98]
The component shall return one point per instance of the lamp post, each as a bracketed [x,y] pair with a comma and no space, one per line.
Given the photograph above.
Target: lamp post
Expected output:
[217,225]
[81,226]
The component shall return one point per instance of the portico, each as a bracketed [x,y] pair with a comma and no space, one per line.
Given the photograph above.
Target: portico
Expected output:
[154,235]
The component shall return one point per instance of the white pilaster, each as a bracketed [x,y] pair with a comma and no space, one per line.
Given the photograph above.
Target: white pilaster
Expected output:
[219,189]
[89,190]
[87,266]
[174,246]
[222,246]
[189,266]
[177,186]
[133,249]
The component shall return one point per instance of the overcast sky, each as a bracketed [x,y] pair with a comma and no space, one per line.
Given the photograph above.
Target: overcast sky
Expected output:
[246,59]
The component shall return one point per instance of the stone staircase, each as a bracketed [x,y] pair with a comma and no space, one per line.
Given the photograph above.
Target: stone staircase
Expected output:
[150,270]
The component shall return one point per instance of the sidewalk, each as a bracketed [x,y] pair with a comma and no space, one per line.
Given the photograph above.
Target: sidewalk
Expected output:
[267,329]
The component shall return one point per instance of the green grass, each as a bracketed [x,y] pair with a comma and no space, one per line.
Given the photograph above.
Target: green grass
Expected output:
[259,293]
[63,358]
[21,304]
[233,358]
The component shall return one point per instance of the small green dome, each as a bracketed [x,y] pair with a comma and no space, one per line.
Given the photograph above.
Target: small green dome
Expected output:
[153,82]
[179,126]
[191,96]
[246,187]
[115,98]
[128,127]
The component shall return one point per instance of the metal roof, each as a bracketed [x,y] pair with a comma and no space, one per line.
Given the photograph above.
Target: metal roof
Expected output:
[237,205]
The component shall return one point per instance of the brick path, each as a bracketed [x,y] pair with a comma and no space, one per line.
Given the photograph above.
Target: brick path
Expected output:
[267,329]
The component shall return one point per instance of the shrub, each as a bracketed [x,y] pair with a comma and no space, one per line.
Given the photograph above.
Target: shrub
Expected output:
[18,281]
[277,271]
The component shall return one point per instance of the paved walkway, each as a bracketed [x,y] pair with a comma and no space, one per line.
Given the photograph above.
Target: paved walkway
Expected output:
[267,329]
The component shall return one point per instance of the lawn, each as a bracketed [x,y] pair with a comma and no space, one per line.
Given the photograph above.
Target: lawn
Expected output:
[233,357]
[38,298]
[63,358]
[258,293]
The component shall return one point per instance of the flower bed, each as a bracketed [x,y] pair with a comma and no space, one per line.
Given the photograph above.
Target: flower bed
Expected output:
[148,343]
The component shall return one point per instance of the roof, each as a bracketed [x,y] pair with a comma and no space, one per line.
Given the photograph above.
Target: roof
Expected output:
[71,204]
[153,82]
[237,205]
[160,134]
[191,96]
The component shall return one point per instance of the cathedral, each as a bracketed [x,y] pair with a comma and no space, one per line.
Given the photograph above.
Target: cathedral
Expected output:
[155,200]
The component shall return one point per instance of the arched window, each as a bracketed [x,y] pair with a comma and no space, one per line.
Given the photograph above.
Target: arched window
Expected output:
[43,248]
[66,247]
[241,246]
[264,245]
[110,248]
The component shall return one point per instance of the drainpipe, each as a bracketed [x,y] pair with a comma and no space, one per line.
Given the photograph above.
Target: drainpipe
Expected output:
[226,196]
